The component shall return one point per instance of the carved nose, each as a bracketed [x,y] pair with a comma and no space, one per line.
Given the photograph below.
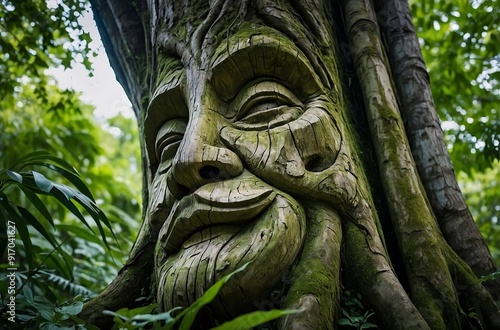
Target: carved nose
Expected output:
[200,160]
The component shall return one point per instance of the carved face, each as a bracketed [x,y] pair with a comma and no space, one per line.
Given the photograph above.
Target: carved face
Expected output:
[239,152]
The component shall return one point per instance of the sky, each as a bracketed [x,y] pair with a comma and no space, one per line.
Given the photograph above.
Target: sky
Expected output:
[102,90]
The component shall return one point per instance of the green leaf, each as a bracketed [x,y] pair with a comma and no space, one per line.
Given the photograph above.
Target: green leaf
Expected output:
[79,232]
[21,227]
[42,182]
[344,322]
[71,177]
[29,157]
[37,202]
[368,326]
[72,309]
[15,176]
[120,314]
[36,157]
[61,197]
[91,208]
[37,225]
[143,320]
[251,320]
[28,294]
[188,315]
[63,261]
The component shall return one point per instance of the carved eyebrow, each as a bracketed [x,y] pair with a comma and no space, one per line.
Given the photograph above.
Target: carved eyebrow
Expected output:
[264,54]
[167,102]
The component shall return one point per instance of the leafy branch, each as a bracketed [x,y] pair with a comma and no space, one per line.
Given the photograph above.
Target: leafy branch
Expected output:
[32,184]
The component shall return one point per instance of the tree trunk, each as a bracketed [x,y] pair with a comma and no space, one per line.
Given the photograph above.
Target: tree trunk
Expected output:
[261,145]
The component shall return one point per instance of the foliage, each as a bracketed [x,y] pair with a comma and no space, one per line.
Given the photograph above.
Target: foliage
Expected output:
[355,315]
[32,184]
[38,34]
[36,312]
[490,277]
[461,46]
[481,191]
[72,133]
[60,258]
[140,318]
[40,288]
[81,263]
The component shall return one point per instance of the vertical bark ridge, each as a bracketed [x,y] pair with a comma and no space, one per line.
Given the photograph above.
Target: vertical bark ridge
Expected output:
[427,141]
[317,292]
[370,273]
[430,283]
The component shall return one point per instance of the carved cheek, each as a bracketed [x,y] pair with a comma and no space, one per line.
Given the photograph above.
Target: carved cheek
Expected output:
[288,152]
[266,153]
[160,202]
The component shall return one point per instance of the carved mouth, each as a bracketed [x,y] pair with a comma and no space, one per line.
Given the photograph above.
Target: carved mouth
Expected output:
[230,202]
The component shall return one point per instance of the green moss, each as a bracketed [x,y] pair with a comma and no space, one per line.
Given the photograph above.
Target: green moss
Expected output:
[311,277]
[316,278]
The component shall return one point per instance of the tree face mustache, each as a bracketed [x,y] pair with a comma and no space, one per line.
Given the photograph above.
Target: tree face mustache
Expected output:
[271,242]
[229,202]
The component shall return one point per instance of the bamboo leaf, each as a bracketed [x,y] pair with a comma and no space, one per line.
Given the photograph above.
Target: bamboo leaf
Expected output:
[62,262]
[37,202]
[29,183]
[41,156]
[71,177]
[15,176]
[28,294]
[29,157]
[21,227]
[37,225]
[42,182]
[67,191]
[251,320]
[98,216]
[62,164]
[188,315]
[90,207]
[61,197]
[93,210]
[79,232]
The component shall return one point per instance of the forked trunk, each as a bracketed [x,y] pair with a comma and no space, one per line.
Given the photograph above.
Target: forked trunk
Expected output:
[302,138]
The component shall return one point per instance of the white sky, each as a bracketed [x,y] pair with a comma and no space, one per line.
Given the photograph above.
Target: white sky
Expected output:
[102,90]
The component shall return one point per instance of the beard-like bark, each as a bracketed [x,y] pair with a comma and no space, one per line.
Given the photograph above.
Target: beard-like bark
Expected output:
[373,217]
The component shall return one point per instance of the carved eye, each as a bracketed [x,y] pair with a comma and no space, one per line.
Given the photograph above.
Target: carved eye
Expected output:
[168,139]
[266,105]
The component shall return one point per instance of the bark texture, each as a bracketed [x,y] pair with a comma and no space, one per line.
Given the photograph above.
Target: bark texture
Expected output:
[427,140]
[253,153]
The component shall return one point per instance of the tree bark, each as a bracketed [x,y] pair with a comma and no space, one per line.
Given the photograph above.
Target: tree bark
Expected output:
[427,141]
[250,154]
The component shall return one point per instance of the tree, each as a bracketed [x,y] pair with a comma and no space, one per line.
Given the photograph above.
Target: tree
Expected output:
[315,113]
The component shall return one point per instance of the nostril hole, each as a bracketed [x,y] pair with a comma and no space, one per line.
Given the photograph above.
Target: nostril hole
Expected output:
[317,164]
[209,172]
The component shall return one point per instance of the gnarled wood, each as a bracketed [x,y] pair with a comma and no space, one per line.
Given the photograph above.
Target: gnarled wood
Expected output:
[251,156]
[427,140]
